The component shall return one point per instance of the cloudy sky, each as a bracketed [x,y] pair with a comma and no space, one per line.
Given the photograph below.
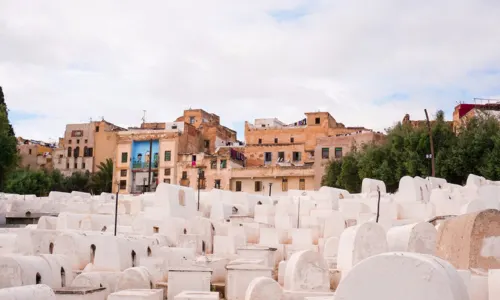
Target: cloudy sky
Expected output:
[366,62]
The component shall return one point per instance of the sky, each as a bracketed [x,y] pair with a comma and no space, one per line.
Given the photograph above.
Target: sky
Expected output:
[366,62]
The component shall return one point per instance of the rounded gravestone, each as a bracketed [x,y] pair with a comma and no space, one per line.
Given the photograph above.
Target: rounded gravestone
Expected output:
[307,271]
[417,237]
[360,242]
[263,288]
[135,278]
[398,275]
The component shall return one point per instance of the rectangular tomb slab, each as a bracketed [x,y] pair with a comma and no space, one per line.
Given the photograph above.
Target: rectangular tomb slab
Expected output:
[193,295]
[80,293]
[137,295]
[192,278]
[240,276]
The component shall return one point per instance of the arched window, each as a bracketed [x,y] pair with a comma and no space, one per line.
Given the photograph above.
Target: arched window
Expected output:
[92,253]
[69,151]
[63,277]
[133,258]
[85,151]
[76,153]
[38,278]
[149,251]
[51,248]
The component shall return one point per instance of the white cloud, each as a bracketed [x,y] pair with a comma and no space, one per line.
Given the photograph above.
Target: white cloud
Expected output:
[69,61]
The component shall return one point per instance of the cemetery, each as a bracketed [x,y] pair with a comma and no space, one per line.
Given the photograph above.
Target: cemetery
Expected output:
[430,240]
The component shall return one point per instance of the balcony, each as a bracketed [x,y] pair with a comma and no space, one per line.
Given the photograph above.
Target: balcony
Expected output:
[141,165]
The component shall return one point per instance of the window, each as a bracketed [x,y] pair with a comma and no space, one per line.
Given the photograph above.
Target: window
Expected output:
[69,142]
[281,156]
[201,173]
[75,166]
[85,141]
[166,180]
[69,151]
[30,151]
[213,164]
[268,157]
[302,184]
[174,127]
[317,121]
[275,140]
[292,140]
[192,120]
[223,163]
[217,183]
[76,152]
[325,153]
[123,173]
[258,186]
[338,152]
[284,184]
[67,165]
[207,143]
[90,152]
[83,165]
[78,141]
[124,157]
[123,184]
[238,186]
[168,155]
[167,172]
[260,141]
[297,156]
[193,158]
[85,151]
[184,174]
[97,129]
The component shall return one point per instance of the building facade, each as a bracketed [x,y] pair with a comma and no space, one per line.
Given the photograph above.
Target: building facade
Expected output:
[35,155]
[85,146]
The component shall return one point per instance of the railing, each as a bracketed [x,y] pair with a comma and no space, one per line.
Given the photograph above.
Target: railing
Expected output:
[144,165]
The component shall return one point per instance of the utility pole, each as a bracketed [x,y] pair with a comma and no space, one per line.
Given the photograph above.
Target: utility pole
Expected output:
[150,163]
[199,181]
[116,205]
[270,186]
[432,144]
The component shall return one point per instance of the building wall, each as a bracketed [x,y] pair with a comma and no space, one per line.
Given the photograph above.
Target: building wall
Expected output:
[346,143]
[256,153]
[105,141]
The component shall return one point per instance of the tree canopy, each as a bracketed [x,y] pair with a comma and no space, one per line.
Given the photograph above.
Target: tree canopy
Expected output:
[8,143]
[475,149]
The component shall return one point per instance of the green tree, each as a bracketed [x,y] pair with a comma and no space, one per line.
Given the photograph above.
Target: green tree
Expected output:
[102,180]
[8,147]
[3,107]
[332,174]
[29,182]
[349,174]
[78,181]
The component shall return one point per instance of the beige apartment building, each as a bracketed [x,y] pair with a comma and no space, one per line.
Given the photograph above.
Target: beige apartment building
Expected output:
[85,146]
[35,155]
[197,151]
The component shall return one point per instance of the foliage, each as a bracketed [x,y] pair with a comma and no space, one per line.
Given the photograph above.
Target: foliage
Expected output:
[41,182]
[8,146]
[3,107]
[475,149]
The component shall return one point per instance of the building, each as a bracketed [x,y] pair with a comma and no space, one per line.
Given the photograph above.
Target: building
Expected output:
[464,112]
[85,146]
[197,151]
[35,155]
[335,147]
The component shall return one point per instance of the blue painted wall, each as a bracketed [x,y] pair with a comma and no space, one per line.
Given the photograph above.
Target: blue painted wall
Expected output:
[141,155]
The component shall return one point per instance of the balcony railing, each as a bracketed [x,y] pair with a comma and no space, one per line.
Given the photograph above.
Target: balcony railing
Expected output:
[144,165]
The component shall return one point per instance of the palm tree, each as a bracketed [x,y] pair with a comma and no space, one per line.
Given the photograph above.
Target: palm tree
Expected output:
[103,178]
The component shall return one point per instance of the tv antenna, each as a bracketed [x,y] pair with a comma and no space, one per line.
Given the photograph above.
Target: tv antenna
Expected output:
[143,116]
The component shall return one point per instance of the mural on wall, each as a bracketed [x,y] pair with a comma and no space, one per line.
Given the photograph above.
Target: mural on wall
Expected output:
[141,156]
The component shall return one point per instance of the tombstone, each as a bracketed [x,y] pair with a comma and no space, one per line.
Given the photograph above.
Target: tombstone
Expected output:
[61,270]
[493,286]
[239,277]
[135,278]
[330,251]
[25,270]
[188,279]
[267,254]
[263,288]
[42,292]
[138,294]
[358,243]
[471,240]
[478,289]
[417,237]
[108,280]
[80,293]
[195,295]
[307,271]
[398,275]
[372,186]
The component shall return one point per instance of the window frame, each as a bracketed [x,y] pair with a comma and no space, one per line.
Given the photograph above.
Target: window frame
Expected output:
[323,153]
